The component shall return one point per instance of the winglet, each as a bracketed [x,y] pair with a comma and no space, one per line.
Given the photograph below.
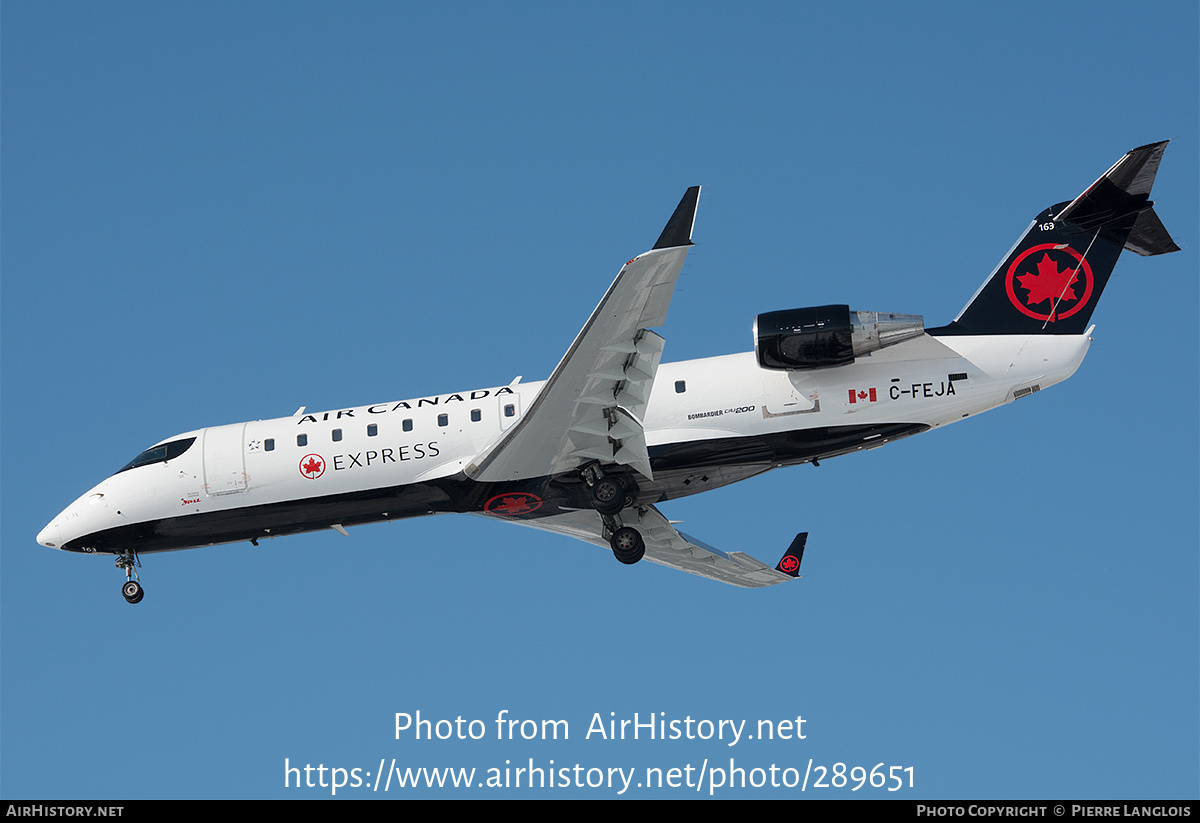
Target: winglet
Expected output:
[789,564]
[678,231]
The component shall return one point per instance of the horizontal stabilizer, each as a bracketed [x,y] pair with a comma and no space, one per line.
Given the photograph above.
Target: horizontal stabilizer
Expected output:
[1122,192]
[1149,236]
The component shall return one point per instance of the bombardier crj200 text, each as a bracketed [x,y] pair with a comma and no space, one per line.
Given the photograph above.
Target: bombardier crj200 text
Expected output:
[592,451]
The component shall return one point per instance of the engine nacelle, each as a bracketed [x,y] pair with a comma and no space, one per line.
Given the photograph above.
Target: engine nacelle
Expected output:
[821,336]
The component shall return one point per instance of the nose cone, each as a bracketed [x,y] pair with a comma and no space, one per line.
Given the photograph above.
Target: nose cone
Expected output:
[85,516]
[51,535]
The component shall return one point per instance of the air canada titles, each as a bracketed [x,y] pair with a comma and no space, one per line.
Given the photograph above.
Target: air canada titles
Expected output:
[405,405]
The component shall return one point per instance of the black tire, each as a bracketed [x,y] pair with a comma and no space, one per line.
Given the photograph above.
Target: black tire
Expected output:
[133,592]
[628,545]
[631,489]
[608,495]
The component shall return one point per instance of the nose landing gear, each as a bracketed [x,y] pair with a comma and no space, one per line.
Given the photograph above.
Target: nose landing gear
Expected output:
[132,589]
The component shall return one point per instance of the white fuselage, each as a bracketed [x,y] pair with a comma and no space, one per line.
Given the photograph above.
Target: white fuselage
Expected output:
[704,412]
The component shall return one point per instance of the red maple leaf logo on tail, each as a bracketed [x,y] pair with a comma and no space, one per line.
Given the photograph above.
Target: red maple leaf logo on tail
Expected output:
[1044,283]
[1049,284]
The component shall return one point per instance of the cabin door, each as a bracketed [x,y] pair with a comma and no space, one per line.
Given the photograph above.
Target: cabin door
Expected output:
[224,465]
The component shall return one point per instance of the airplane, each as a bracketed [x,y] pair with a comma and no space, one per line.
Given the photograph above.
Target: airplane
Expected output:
[594,450]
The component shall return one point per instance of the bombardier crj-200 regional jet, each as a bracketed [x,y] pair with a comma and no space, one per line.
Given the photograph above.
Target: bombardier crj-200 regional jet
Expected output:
[592,451]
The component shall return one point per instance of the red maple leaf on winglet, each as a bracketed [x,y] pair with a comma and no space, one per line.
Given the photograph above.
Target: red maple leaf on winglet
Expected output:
[1049,283]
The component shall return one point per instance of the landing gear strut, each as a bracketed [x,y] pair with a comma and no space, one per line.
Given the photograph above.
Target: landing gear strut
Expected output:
[132,589]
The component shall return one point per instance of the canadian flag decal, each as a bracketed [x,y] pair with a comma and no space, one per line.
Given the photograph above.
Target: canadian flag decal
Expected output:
[862,396]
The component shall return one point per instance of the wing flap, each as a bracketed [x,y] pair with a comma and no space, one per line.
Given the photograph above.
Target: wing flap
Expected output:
[666,546]
[592,406]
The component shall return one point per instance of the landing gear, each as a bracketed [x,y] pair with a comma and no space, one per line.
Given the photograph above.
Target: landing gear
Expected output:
[628,545]
[608,495]
[611,494]
[132,590]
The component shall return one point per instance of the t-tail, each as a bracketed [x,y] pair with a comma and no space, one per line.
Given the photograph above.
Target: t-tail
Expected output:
[1052,279]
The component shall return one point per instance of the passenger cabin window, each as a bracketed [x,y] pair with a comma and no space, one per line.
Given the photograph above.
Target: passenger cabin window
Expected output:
[159,454]
[302,440]
[372,429]
[476,415]
[680,386]
[269,444]
[510,410]
[443,420]
[407,425]
[337,435]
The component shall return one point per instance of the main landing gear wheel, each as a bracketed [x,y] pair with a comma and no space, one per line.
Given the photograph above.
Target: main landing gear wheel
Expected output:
[628,545]
[133,591]
[608,495]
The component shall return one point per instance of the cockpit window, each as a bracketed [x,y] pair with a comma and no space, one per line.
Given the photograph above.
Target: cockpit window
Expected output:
[160,453]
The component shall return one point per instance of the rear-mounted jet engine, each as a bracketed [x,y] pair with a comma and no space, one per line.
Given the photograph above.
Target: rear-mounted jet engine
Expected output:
[820,336]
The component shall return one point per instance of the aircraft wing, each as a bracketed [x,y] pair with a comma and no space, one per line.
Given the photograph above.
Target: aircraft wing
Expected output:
[668,547]
[592,407]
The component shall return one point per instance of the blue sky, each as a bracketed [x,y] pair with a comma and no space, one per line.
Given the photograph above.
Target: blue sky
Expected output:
[216,212]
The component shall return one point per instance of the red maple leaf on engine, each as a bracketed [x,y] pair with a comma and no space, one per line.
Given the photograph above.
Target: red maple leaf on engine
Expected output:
[1049,283]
